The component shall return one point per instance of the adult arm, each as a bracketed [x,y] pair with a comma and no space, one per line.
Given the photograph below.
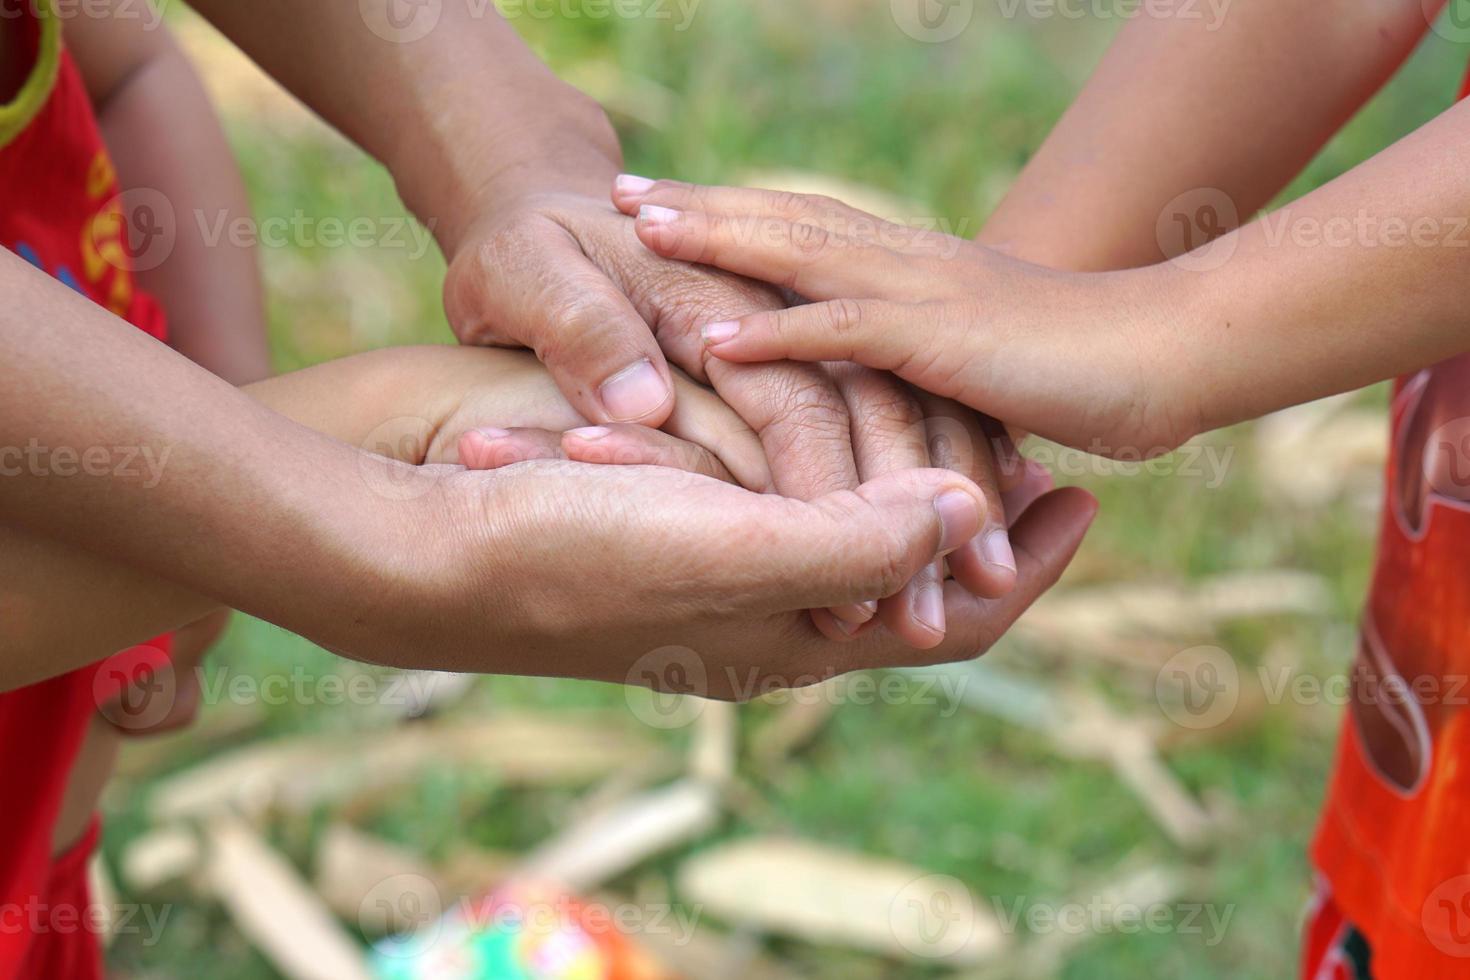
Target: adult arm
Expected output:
[509,167]
[542,568]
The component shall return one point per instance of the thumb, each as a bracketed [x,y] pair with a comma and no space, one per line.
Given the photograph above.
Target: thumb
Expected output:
[852,545]
[601,353]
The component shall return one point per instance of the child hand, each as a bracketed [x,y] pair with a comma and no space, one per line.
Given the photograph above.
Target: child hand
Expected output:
[523,415]
[1077,358]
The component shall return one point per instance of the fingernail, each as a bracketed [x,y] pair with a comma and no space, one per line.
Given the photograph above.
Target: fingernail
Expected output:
[959,519]
[718,333]
[845,626]
[655,215]
[632,184]
[929,605]
[995,548]
[634,392]
[855,613]
[490,432]
[590,433]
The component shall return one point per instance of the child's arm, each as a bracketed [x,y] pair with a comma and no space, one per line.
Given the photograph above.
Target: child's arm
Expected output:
[64,607]
[1187,111]
[1361,280]
[1184,113]
[166,142]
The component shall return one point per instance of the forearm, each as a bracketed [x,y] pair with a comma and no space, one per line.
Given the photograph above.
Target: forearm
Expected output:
[464,111]
[200,486]
[1361,280]
[65,607]
[1182,104]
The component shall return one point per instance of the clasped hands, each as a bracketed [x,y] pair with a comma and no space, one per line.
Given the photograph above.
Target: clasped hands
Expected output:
[772,425]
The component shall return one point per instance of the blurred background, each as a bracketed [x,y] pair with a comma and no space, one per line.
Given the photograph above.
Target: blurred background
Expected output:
[1125,787]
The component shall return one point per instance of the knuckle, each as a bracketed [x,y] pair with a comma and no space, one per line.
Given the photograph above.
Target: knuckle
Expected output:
[809,241]
[951,447]
[686,297]
[891,407]
[892,561]
[843,317]
[892,432]
[809,404]
[808,441]
[692,196]
[787,204]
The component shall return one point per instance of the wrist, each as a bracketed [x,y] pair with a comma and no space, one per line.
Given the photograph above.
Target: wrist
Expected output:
[1157,310]
[454,599]
[557,140]
[385,549]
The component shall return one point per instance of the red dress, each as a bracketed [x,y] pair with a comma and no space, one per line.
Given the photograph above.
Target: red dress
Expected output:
[59,210]
[1393,845]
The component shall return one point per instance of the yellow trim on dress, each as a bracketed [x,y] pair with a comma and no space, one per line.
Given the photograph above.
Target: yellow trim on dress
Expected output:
[17,114]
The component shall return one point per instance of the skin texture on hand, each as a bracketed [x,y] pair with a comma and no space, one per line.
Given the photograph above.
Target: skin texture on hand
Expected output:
[546,567]
[1287,309]
[728,591]
[1050,352]
[589,321]
[513,188]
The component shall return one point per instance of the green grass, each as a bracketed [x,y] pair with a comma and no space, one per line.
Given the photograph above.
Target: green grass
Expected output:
[834,88]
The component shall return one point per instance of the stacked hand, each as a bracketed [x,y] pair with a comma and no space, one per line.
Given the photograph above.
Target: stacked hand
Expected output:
[1001,336]
[823,427]
[514,570]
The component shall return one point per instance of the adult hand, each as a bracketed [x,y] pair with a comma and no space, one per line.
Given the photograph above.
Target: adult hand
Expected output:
[557,568]
[562,272]
[948,434]
[1078,358]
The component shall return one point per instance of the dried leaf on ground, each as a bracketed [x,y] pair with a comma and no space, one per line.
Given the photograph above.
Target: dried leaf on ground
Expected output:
[275,909]
[604,845]
[823,895]
[297,774]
